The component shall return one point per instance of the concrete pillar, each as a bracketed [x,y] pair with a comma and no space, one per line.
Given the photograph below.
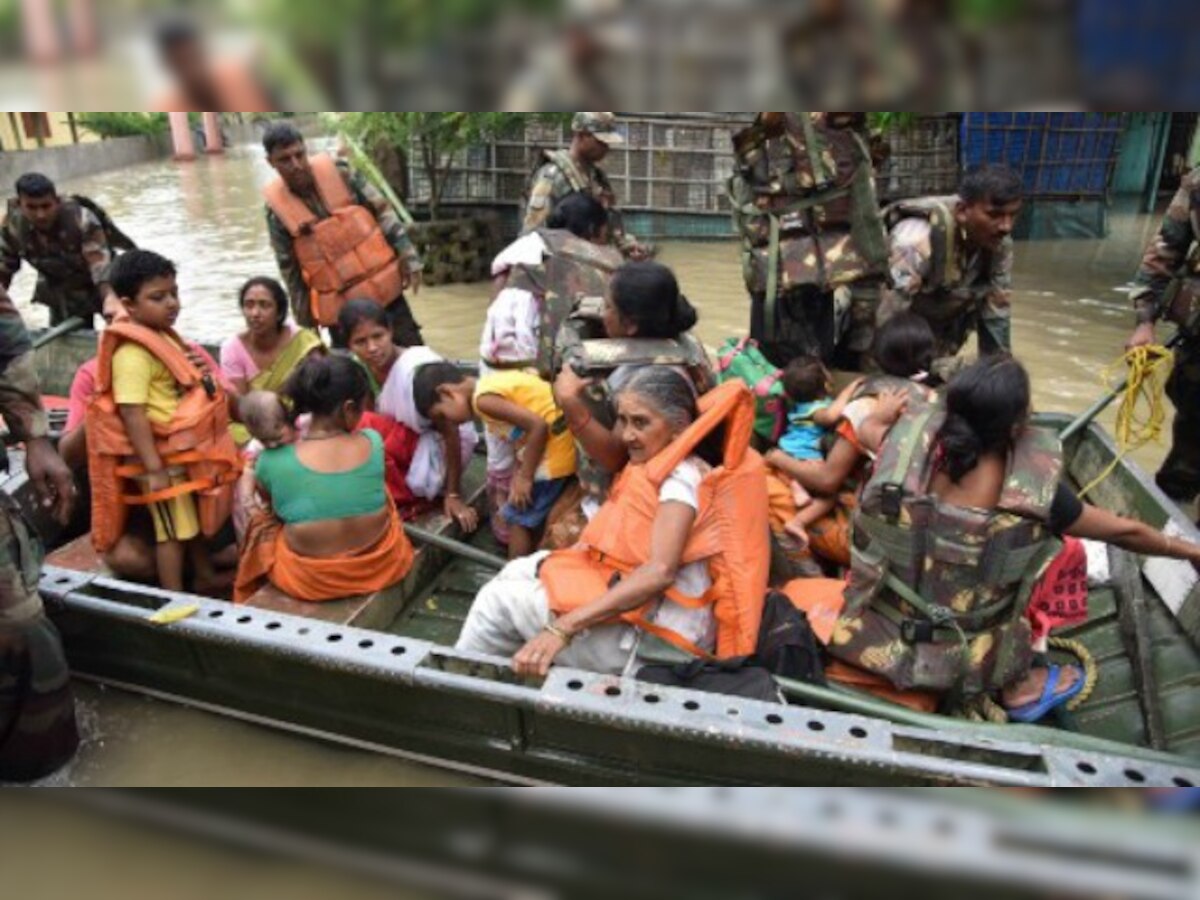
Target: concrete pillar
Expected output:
[181,136]
[41,31]
[85,35]
[212,133]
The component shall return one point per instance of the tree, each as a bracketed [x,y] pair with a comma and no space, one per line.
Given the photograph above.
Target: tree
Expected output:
[122,124]
[435,138]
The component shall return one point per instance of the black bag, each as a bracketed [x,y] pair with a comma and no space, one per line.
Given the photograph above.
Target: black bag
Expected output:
[786,648]
[733,678]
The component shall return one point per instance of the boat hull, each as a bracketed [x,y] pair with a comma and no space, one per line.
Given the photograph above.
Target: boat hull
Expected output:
[400,690]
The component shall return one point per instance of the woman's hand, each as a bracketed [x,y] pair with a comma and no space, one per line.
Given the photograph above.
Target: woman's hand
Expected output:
[521,492]
[890,406]
[569,387]
[465,515]
[536,657]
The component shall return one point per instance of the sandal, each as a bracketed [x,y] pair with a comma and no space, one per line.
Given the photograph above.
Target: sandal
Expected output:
[1034,712]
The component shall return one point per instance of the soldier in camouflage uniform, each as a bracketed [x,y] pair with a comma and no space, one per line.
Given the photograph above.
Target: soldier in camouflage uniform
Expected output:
[814,255]
[69,241]
[1169,281]
[287,154]
[951,263]
[37,712]
[577,168]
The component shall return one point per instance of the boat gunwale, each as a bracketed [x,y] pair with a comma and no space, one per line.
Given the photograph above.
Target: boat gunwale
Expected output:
[307,641]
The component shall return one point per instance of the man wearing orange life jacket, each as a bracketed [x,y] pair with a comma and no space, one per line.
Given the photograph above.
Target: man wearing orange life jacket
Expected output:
[336,239]
[678,554]
[158,428]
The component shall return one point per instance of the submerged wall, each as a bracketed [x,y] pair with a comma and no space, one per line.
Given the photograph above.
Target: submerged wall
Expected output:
[80,160]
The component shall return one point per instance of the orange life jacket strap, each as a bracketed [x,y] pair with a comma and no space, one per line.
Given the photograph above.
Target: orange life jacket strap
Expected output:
[675,596]
[666,634]
[175,490]
[730,403]
[330,183]
[137,470]
[293,212]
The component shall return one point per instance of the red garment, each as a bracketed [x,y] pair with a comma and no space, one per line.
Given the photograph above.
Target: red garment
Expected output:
[1060,599]
[82,388]
[399,445]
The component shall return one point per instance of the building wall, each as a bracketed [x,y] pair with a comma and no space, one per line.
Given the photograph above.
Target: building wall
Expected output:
[34,130]
[80,160]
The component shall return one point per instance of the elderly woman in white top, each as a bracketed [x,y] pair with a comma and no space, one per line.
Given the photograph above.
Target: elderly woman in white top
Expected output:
[512,616]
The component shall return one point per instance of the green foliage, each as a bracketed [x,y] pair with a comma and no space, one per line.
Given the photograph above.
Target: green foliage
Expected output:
[885,121]
[435,137]
[122,124]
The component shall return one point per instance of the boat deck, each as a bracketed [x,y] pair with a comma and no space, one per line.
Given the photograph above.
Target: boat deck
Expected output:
[437,613]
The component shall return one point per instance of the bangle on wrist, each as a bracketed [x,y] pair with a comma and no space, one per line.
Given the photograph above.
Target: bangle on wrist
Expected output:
[454,495]
[578,426]
[553,629]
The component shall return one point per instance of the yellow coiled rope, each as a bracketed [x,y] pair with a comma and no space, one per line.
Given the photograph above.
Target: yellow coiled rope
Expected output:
[1091,672]
[1142,415]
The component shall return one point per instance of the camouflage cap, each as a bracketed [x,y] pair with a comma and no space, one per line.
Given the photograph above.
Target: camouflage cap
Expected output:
[600,125]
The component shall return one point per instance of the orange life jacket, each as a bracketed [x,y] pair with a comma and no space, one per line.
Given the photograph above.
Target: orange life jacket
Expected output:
[197,439]
[731,532]
[344,256]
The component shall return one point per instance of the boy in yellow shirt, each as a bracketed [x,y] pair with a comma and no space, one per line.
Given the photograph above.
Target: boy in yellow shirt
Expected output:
[517,406]
[146,395]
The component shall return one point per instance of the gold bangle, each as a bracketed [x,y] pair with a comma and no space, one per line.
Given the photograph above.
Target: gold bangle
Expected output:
[553,629]
[1170,545]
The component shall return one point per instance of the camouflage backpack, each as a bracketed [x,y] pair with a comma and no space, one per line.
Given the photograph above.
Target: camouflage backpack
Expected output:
[804,203]
[743,360]
[938,593]
[572,271]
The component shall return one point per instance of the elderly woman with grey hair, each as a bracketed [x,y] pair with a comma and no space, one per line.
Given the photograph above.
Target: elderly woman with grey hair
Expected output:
[512,615]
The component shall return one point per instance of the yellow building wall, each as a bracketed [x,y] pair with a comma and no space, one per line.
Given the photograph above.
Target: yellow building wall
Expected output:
[56,131]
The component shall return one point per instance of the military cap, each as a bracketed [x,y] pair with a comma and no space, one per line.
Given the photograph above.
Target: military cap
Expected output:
[600,125]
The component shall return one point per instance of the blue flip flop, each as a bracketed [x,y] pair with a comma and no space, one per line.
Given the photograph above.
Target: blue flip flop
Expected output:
[1032,713]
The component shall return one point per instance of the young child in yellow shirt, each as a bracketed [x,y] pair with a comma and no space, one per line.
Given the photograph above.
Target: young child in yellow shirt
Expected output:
[517,406]
[147,394]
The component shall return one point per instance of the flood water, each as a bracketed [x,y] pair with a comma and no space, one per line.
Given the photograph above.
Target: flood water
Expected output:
[1071,320]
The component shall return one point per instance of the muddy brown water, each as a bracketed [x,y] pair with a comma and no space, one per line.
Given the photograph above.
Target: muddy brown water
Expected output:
[1071,319]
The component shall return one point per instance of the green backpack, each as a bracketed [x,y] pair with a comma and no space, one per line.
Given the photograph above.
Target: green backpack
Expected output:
[742,359]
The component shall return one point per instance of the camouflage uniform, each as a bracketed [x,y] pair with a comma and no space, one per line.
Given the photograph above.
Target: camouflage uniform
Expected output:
[814,255]
[938,593]
[1170,279]
[937,274]
[72,260]
[407,331]
[37,712]
[561,175]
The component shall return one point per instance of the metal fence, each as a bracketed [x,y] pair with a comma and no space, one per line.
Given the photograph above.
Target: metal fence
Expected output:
[674,167]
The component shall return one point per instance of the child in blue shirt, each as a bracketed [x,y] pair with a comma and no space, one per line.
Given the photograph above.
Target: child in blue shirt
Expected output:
[814,414]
